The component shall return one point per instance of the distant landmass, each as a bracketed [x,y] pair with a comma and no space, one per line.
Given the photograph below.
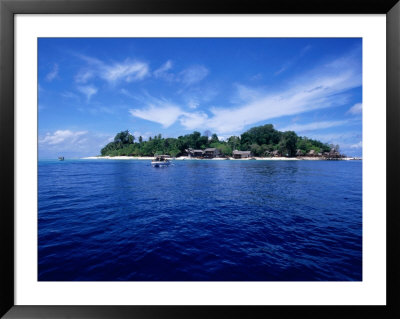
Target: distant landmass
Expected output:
[259,141]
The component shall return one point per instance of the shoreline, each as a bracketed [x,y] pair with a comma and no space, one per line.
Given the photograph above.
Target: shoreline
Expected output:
[183,158]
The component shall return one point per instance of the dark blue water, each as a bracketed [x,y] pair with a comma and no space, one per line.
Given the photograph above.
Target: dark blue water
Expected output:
[110,220]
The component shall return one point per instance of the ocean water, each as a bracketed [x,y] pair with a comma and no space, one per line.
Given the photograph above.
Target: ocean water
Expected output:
[123,220]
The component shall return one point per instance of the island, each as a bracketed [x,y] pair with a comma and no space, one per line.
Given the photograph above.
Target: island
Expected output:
[260,142]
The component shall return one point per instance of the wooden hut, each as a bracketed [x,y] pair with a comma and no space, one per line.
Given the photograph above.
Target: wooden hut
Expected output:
[312,153]
[241,154]
[299,152]
[211,152]
[276,153]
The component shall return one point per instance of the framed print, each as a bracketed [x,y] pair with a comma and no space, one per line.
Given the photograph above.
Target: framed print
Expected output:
[166,159]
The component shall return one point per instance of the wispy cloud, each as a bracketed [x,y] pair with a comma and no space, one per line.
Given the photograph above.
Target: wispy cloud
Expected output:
[193,120]
[167,113]
[355,109]
[313,126]
[246,93]
[320,88]
[69,95]
[128,94]
[193,104]
[161,112]
[72,144]
[62,136]
[162,71]
[189,76]
[357,145]
[53,73]
[193,74]
[88,91]
[83,76]
[293,61]
[128,70]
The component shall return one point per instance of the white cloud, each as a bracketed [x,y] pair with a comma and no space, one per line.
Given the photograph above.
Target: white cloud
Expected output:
[320,88]
[88,90]
[193,74]
[187,77]
[161,72]
[166,113]
[53,73]
[128,70]
[62,136]
[313,126]
[193,104]
[83,76]
[245,93]
[70,95]
[163,113]
[357,145]
[355,109]
[72,144]
[293,61]
[319,92]
[128,94]
[193,120]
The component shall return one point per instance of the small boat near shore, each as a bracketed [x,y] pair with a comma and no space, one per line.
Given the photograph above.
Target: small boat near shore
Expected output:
[61,158]
[160,161]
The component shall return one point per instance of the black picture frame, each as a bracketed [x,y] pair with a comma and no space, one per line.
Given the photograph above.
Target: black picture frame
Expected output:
[8,8]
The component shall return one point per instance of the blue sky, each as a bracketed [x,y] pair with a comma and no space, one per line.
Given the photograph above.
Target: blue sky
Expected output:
[90,89]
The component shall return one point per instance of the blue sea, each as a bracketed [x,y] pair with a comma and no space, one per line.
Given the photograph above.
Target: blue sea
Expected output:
[123,220]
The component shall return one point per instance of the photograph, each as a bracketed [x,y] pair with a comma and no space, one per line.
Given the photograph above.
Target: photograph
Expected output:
[200,159]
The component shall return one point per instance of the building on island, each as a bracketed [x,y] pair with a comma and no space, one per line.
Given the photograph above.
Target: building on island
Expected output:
[299,152]
[312,153]
[194,153]
[241,154]
[211,152]
[276,153]
[207,153]
[332,154]
[198,153]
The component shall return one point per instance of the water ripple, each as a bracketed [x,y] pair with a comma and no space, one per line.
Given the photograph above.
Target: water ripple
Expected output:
[200,221]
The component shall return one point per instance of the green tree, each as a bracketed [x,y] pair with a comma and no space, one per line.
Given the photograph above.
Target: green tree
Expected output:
[174,152]
[234,142]
[256,149]
[259,140]
[289,142]
[214,138]
[124,137]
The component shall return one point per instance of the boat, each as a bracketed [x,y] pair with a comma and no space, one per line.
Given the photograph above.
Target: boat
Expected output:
[61,158]
[160,161]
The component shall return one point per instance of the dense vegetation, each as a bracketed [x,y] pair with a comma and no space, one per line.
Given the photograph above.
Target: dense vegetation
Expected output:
[260,140]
